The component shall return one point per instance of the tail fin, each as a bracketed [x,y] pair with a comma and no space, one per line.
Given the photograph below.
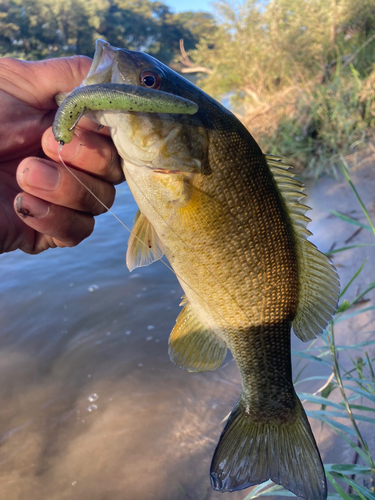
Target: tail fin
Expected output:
[251,452]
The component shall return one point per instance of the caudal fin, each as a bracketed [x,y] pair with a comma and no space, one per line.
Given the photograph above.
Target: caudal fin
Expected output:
[251,452]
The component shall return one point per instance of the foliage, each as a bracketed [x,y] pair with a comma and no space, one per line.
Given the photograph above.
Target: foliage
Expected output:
[356,389]
[322,124]
[151,26]
[36,29]
[299,72]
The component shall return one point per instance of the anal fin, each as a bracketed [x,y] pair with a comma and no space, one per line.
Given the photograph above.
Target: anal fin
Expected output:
[144,245]
[192,346]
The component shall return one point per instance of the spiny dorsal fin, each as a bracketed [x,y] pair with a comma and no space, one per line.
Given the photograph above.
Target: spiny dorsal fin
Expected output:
[317,278]
[193,347]
[144,246]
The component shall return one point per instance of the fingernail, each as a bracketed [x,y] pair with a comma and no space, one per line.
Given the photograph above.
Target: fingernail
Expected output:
[42,176]
[33,207]
[70,150]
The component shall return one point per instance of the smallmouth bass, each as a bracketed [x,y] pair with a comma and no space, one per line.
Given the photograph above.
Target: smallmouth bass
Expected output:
[229,220]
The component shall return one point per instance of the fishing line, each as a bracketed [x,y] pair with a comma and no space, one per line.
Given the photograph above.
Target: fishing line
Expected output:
[160,259]
[190,249]
[207,269]
[131,232]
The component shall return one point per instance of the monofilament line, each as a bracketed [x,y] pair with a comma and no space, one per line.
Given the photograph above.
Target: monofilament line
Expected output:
[91,192]
[161,260]
[130,231]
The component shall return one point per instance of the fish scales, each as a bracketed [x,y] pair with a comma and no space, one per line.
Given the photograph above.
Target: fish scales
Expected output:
[230,222]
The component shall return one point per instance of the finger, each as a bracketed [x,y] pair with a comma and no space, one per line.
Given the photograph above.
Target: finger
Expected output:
[52,182]
[64,226]
[38,83]
[89,152]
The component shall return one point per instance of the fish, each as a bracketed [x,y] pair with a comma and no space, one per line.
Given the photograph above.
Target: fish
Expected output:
[231,223]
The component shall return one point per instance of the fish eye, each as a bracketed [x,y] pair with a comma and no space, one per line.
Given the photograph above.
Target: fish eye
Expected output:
[150,79]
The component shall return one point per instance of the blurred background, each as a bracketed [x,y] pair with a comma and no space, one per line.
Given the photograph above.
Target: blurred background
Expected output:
[91,406]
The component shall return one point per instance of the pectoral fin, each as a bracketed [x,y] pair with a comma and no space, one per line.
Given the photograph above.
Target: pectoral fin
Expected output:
[144,245]
[193,347]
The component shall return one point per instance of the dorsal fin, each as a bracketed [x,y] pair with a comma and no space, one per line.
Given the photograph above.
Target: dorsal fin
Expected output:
[144,245]
[317,278]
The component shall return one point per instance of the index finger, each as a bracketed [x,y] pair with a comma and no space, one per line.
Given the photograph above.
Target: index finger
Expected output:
[88,151]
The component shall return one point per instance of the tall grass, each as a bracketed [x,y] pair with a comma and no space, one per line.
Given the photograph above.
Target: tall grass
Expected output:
[317,126]
[300,74]
[355,388]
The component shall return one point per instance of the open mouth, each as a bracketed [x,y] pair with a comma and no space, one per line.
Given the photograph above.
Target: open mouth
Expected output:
[102,64]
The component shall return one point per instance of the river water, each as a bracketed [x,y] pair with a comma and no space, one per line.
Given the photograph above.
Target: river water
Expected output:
[91,406]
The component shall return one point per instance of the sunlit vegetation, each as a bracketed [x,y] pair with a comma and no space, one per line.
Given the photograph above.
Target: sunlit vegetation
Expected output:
[300,74]
[37,29]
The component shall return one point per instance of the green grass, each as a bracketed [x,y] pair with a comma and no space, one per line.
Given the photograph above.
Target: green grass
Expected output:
[322,124]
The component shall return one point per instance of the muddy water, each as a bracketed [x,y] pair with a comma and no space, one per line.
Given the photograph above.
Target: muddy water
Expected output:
[91,406]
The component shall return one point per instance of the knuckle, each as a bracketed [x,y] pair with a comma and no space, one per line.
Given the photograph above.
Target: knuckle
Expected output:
[88,201]
[97,198]
[110,196]
[80,227]
[111,168]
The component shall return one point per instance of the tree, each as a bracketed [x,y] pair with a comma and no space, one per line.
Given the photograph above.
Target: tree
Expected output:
[152,27]
[35,29]
[297,71]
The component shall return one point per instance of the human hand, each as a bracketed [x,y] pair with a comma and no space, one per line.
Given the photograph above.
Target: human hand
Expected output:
[53,209]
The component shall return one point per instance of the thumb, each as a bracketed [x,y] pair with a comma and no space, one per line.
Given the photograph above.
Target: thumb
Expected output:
[38,82]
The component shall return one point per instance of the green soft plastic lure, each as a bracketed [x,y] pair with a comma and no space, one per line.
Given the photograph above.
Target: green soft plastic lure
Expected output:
[120,97]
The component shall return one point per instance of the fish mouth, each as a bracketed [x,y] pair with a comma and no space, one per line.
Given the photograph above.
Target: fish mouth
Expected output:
[152,140]
[112,65]
[101,67]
